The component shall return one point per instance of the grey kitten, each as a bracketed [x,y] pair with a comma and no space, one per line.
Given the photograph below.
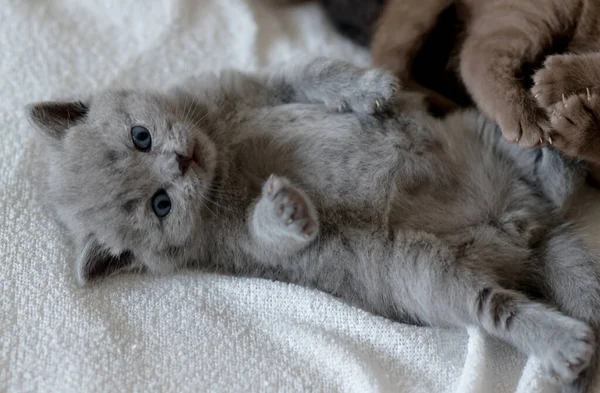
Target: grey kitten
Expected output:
[311,175]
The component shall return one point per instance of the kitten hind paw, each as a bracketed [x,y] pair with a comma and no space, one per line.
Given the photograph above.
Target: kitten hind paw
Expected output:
[292,209]
[571,352]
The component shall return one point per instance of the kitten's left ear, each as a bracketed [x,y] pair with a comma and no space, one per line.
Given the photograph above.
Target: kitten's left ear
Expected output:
[55,118]
[94,261]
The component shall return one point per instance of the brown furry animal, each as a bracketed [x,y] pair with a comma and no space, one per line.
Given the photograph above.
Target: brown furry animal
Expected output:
[495,52]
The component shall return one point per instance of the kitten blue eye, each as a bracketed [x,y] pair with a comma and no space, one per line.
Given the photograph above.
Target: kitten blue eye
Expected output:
[161,204]
[141,138]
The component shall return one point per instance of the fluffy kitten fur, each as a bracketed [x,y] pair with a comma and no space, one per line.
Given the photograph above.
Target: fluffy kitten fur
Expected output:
[533,66]
[310,175]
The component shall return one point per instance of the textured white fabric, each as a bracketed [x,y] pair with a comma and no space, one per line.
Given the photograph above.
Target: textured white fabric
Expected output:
[191,332]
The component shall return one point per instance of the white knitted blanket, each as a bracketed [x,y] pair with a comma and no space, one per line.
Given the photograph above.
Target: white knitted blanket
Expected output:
[191,332]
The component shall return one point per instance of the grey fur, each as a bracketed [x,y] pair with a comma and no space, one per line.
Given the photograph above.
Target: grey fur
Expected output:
[437,222]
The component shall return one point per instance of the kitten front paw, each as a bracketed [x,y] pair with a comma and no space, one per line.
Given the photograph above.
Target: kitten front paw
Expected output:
[571,352]
[293,210]
[576,125]
[372,92]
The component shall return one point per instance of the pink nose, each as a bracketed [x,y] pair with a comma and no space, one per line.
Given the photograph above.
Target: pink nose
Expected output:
[184,163]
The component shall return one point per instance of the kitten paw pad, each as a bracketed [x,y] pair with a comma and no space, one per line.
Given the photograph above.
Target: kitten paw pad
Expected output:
[293,209]
[571,353]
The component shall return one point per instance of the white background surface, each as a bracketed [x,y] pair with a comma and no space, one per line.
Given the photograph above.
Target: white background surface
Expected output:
[191,332]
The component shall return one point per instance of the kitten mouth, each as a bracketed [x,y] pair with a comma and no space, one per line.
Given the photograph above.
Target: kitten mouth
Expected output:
[194,158]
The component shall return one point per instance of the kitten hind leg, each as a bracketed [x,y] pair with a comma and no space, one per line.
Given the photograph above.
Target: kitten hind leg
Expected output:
[441,289]
[284,219]
[571,276]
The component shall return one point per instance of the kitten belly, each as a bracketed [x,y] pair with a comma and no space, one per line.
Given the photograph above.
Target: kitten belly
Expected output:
[342,161]
[398,173]
[499,242]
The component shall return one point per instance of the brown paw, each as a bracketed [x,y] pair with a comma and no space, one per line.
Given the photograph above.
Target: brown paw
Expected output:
[528,126]
[549,83]
[564,75]
[576,125]
[295,212]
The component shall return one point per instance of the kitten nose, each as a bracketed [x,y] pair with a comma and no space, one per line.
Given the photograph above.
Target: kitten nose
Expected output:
[183,162]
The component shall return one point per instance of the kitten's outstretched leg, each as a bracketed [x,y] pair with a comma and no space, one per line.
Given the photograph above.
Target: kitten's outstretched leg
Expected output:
[572,281]
[493,69]
[284,219]
[457,291]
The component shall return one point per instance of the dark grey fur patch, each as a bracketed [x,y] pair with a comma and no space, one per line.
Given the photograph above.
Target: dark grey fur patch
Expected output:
[130,205]
[111,156]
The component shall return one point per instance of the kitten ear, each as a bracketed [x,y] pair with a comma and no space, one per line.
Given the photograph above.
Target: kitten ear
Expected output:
[54,118]
[95,261]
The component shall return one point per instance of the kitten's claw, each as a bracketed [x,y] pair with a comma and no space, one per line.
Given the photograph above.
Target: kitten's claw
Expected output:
[270,182]
[524,125]
[561,77]
[550,140]
[589,95]
[564,100]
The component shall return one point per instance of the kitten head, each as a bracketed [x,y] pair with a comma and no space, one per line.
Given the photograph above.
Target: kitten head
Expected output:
[127,174]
